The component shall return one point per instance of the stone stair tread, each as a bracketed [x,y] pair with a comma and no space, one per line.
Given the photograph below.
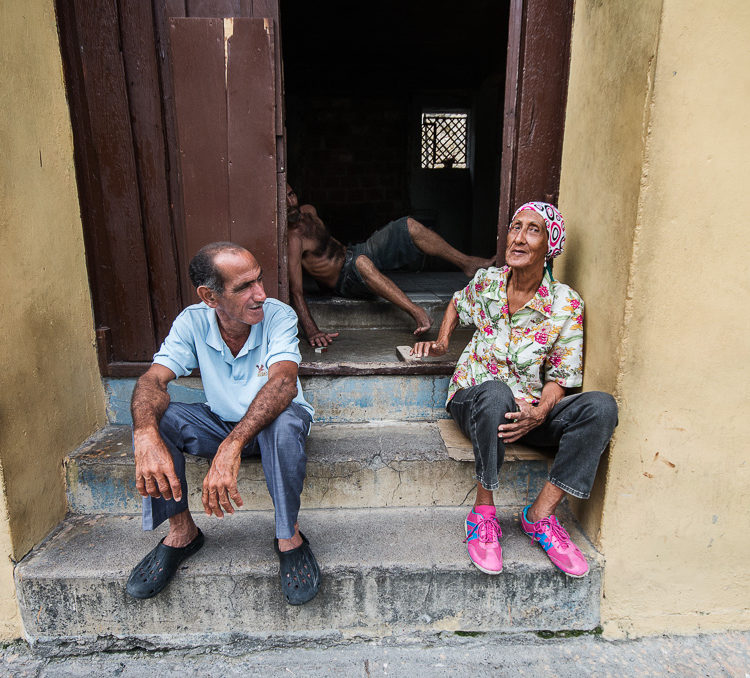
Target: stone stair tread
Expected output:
[376,442]
[432,291]
[404,567]
[349,465]
[372,351]
[366,539]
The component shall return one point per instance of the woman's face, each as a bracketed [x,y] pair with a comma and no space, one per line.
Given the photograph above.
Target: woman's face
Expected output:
[527,241]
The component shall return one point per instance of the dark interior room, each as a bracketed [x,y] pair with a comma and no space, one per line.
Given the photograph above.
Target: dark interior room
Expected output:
[396,110]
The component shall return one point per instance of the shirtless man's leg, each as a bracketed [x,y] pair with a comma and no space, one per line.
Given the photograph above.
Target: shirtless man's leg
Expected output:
[386,288]
[431,243]
[313,249]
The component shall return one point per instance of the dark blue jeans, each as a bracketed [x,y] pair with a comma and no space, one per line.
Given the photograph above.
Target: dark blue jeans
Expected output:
[579,426]
[192,428]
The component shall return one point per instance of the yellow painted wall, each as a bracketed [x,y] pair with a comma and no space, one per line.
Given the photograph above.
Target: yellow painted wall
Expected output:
[52,396]
[10,620]
[613,50]
[670,261]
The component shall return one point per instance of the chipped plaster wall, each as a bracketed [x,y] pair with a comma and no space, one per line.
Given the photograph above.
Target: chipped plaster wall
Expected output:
[613,52]
[52,396]
[10,619]
[658,252]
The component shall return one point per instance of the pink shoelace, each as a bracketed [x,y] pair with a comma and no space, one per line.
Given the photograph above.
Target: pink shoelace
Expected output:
[557,531]
[488,530]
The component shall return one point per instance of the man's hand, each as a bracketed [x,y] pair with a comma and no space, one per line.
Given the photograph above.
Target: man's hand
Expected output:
[220,483]
[318,338]
[426,348]
[528,418]
[154,468]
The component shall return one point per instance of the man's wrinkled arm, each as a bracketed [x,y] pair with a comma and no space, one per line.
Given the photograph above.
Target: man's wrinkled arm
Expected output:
[297,297]
[220,484]
[154,469]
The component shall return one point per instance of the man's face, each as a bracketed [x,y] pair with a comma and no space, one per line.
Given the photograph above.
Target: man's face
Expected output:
[243,295]
[527,241]
[292,204]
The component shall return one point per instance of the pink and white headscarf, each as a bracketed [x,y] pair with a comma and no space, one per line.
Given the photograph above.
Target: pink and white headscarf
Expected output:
[554,222]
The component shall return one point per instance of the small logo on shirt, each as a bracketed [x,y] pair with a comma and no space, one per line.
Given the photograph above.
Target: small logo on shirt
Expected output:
[262,371]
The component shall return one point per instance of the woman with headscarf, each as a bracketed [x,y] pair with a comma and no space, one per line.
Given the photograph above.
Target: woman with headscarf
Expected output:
[510,385]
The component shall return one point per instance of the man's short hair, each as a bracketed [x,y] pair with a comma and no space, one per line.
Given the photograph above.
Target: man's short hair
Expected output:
[203,269]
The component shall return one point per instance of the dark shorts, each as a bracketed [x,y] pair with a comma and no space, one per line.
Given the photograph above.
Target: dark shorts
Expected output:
[389,248]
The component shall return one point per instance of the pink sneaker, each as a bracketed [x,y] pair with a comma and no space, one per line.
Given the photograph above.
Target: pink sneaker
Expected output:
[556,542]
[483,539]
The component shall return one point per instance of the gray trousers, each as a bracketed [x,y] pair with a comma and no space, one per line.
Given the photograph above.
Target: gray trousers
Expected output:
[579,426]
[194,429]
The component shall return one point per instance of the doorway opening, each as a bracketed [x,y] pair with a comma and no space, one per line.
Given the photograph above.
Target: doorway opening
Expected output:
[397,111]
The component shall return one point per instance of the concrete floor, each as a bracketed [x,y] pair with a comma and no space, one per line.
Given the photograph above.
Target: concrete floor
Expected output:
[369,331]
[418,286]
[719,655]
[379,346]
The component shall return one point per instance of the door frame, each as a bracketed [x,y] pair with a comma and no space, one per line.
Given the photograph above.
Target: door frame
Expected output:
[536,89]
[537,68]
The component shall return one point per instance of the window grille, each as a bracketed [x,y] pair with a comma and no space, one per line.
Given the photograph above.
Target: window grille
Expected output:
[444,140]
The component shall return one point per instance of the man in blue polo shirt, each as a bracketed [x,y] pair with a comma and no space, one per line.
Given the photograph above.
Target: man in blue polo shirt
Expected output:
[246,348]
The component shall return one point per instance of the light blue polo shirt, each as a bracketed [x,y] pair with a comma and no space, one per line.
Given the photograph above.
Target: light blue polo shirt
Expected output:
[231,383]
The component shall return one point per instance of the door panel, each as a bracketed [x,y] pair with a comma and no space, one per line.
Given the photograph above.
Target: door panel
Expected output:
[139,53]
[139,236]
[251,114]
[224,85]
[197,58]
[536,87]
[107,176]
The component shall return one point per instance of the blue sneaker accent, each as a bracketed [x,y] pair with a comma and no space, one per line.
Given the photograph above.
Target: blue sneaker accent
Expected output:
[471,530]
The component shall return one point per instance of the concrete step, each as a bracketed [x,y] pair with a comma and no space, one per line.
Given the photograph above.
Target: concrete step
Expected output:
[431,291]
[349,465]
[357,397]
[373,352]
[385,572]
[335,313]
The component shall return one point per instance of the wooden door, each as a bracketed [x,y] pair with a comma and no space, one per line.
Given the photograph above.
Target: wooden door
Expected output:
[176,107]
[536,87]
[225,105]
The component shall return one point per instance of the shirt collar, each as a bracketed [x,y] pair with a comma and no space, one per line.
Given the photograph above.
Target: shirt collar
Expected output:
[541,301]
[215,341]
[499,291]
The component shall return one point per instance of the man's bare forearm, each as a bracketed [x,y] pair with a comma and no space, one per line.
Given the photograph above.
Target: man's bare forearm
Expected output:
[150,401]
[309,327]
[269,403]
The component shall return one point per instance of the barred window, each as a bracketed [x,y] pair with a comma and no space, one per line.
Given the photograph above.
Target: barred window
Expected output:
[444,140]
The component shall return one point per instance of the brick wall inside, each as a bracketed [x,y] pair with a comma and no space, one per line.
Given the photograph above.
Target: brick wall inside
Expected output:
[354,168]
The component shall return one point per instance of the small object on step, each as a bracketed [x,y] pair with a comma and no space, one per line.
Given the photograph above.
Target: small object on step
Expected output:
[405,355]
[321,349]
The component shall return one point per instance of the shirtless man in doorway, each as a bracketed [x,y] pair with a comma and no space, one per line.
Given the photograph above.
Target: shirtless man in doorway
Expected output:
[355,271]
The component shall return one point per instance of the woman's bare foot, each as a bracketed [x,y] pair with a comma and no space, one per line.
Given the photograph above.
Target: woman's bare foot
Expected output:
[423,320]
[475,263]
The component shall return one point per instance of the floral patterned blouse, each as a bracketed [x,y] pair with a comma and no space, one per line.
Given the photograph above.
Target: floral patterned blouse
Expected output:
[542,342]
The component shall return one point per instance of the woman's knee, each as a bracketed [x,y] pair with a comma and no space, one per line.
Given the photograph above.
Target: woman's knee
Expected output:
[603,406]
[493,396]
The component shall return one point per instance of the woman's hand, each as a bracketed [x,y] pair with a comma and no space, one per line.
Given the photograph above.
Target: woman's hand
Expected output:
[523,421]
[426,348]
